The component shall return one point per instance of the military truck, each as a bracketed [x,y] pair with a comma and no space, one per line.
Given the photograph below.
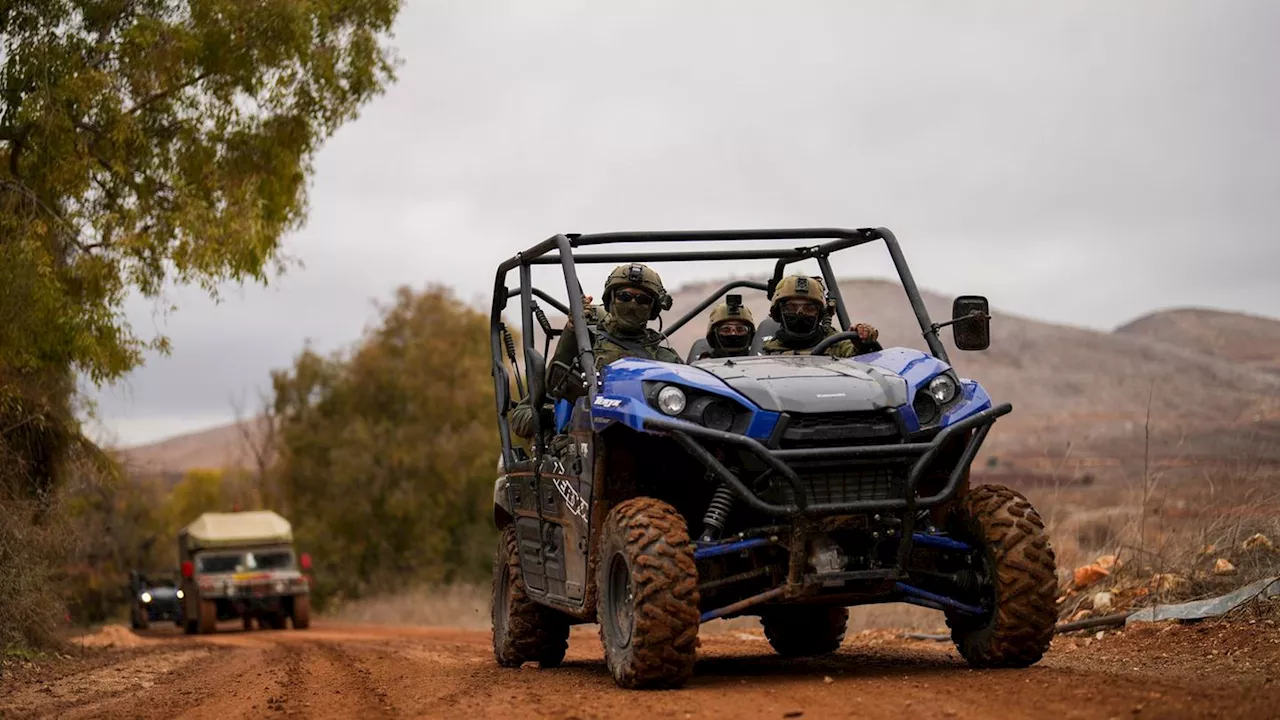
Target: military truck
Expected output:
[242,565]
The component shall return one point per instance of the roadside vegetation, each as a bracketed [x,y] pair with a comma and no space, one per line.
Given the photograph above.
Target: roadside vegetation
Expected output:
[143,145]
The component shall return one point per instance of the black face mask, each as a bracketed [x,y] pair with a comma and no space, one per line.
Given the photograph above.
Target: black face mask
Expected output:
[799,325]
[733,342]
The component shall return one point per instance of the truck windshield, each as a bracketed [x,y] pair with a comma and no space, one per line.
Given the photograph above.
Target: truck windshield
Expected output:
[242,562]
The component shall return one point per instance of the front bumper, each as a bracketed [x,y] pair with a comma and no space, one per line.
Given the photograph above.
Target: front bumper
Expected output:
[920,454]
[887,583]
[162,611]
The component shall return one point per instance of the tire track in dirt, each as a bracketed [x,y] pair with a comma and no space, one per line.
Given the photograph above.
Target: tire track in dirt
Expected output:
[350,671]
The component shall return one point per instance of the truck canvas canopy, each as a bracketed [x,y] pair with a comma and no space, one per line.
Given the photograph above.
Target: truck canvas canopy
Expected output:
[236,529]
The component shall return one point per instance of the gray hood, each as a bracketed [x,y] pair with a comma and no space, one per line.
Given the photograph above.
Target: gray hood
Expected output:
[809,383]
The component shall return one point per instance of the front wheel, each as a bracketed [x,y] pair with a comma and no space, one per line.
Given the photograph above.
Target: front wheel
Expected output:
[1018,579]
[523,630]
[301,613]
[208,617]
[647,585]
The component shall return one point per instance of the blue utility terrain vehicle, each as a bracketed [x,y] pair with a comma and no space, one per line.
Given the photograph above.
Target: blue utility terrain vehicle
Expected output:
[788,487]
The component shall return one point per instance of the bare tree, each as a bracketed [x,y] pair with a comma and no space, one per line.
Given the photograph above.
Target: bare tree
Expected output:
[258,438]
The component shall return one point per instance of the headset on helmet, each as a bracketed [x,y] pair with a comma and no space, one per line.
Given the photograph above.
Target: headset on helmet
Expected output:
[641,276]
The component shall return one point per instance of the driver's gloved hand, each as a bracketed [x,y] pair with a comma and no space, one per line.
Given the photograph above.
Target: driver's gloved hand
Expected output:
[866,333]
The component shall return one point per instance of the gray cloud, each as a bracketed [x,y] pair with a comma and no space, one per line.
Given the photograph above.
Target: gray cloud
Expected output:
[1080,162]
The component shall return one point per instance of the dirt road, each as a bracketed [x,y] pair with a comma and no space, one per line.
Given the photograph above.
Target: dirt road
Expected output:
[331,671]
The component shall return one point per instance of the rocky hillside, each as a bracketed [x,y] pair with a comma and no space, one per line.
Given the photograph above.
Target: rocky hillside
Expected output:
[1246,339]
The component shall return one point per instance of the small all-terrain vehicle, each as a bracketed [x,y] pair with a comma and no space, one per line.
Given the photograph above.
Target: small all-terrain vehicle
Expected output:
[811,483]
[153,599]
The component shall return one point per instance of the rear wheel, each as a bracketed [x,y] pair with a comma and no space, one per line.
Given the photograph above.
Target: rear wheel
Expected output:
[523,630]
[1018,578]
[208,617]
[301,613]
[648,595]
[804,631]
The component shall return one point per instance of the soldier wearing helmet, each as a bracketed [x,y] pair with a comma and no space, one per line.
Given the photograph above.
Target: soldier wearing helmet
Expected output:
[633,296]
[801,307]
[730,330]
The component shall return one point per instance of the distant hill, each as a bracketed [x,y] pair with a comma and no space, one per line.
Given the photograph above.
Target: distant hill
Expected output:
[1080,396]
[1247,339]
[221,447]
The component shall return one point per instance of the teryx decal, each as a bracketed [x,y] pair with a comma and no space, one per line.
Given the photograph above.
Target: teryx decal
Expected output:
[572,499]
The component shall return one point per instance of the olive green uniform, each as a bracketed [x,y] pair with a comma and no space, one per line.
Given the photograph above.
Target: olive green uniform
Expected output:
[842,349]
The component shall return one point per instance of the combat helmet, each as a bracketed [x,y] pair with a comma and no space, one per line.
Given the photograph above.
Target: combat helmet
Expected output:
[733,309]
[641,276]
[799,286]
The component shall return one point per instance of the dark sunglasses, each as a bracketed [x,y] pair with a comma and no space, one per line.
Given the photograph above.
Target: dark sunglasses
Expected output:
[641,298]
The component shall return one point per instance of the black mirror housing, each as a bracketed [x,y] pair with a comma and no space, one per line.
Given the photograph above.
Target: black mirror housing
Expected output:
[971,318]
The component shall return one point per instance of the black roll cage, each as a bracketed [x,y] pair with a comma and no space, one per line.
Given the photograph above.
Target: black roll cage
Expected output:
[559,249]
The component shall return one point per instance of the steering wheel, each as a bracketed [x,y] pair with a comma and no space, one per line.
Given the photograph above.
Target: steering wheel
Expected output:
[833,339]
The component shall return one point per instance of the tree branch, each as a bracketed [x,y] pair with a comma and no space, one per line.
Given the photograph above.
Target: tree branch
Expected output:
[167,93]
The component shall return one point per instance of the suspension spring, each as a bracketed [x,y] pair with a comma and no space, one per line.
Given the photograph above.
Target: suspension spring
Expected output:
[510,342]
[542,319]
[717,514]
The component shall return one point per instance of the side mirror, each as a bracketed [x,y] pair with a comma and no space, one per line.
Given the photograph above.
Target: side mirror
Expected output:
[971,322]
[305,561]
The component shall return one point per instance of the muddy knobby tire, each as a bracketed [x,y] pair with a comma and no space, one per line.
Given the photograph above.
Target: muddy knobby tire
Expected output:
[1022,564]
[805,630]
[650,630]
[208,617]
[523,630]
[300,615]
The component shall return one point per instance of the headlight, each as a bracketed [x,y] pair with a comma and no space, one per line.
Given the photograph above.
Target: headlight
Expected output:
[181,595]
[671,400]
[942,389]
[925,407]
[146,597]
[718,415]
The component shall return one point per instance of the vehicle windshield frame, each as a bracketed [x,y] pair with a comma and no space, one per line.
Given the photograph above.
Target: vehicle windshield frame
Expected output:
[560,249]
[241,555]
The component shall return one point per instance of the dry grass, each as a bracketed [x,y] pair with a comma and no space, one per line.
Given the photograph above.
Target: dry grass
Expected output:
[30,602]
[1169,537]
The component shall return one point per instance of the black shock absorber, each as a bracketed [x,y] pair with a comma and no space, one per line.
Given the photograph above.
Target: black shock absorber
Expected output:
[542,319]
[510,342]
[717,514]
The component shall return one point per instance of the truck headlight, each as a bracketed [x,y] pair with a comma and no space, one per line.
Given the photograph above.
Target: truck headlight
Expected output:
[942,389]
[146,597]
[181,594]
[671,400]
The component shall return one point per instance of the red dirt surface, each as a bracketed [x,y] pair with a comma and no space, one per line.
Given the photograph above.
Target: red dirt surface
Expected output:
[1210,670]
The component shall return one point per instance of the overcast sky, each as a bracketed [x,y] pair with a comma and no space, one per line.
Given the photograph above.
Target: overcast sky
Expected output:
[1078,162]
